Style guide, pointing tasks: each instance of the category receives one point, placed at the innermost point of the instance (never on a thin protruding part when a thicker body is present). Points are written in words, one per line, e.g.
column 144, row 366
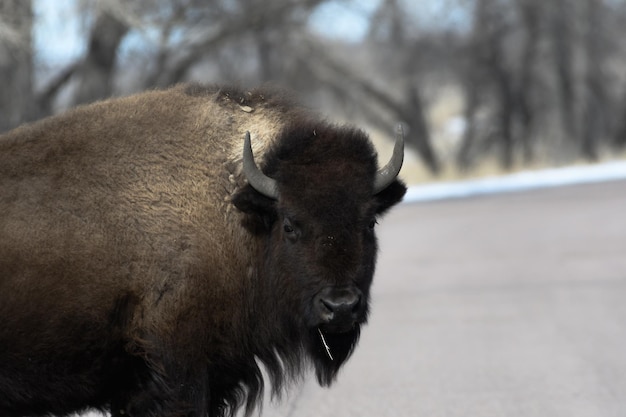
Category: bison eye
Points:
column 289, row 230
column 373, row 223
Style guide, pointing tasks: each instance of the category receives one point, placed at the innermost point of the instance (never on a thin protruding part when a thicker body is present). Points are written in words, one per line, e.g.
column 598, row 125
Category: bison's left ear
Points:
column 260, row 210
column 389, row 196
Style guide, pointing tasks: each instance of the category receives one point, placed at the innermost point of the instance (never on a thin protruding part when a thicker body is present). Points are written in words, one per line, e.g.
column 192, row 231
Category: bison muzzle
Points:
column 158, row 250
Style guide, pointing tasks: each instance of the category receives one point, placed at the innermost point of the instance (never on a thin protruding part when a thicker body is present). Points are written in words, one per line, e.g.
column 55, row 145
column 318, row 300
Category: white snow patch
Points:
column 527, row 180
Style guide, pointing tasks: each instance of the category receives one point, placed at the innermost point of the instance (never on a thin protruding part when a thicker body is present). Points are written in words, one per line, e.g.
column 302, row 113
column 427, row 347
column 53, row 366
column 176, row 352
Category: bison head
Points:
column 314, row 206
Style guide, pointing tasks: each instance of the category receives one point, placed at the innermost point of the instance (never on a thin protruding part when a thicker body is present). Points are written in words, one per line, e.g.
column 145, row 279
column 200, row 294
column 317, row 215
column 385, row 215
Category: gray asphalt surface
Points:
column 506, row 305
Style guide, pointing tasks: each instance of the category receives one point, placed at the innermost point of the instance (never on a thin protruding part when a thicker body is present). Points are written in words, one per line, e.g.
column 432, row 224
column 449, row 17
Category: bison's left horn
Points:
column 387, row 174
column 257, row 179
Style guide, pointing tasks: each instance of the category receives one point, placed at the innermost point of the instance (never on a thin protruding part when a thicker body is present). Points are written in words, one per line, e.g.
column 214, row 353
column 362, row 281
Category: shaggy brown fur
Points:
column 140, row 274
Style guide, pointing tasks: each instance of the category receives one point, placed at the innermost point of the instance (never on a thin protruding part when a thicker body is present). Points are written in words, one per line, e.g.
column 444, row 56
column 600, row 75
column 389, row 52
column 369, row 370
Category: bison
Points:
column 157, row 251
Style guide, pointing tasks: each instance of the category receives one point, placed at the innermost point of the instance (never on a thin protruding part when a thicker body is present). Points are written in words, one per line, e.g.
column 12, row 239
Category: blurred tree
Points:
column 530, row 12
column 499, row 80
column 95, row 73
column 562, row 35
column 538, row 70
column 394, row 90
column 537, row 78
column 597, row 107
column 16, row 63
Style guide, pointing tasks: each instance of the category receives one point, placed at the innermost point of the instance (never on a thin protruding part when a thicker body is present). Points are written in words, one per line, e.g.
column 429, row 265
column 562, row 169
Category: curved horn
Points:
column 387, row 174
column 257, row 179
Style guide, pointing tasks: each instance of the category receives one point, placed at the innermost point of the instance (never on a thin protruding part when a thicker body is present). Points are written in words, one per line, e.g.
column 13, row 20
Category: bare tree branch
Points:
column 409, row 112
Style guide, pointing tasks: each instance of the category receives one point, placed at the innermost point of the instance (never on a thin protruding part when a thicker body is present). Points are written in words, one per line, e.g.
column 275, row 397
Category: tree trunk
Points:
column 562, row 46
column 96, row 71
column 531, row 13
column 16, row 64
column 502, row 78
column 596, row 109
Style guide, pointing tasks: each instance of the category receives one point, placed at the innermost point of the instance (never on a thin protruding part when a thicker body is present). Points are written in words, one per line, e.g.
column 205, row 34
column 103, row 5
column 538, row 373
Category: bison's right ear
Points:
column 260, row 210
column 390, row 196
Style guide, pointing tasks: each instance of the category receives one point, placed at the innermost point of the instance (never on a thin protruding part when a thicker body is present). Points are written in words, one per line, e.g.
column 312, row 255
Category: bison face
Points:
column 315, row 212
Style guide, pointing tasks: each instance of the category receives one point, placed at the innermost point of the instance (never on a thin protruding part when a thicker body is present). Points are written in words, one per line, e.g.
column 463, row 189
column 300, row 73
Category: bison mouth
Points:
column 330, row 349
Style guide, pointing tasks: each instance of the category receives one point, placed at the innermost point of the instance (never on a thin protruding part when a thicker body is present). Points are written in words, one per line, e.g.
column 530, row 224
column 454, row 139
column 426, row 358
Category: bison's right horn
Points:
column 387, row 174
column 257, row 179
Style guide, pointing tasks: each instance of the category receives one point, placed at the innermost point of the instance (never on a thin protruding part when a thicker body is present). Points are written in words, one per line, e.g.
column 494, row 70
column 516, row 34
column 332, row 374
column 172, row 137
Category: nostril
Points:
column 338, row 306
column 357, row 305
column 348, row 303
column 329, row 305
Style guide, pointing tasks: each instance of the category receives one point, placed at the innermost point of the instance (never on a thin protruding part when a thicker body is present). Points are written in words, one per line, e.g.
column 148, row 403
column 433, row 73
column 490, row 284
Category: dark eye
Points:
column 289, row 230
column 373, row 224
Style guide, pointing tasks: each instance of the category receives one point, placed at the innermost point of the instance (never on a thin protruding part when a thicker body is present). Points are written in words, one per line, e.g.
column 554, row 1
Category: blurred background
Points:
column 481, row 86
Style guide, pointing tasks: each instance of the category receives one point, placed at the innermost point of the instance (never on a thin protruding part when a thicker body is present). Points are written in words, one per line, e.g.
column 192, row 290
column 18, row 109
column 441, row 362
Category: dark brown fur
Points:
column 140, row 274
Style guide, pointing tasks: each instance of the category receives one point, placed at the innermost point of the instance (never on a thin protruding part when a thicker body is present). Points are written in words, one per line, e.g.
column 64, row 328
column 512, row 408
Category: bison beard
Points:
column 330, row 351
column 149, row 267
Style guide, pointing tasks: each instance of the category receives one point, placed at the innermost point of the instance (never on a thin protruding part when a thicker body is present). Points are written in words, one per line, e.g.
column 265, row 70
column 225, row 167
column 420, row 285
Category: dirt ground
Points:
column 506, row 305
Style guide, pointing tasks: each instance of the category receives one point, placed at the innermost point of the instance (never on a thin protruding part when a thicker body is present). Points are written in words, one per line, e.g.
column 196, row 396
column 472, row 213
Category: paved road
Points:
column 508, row 305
